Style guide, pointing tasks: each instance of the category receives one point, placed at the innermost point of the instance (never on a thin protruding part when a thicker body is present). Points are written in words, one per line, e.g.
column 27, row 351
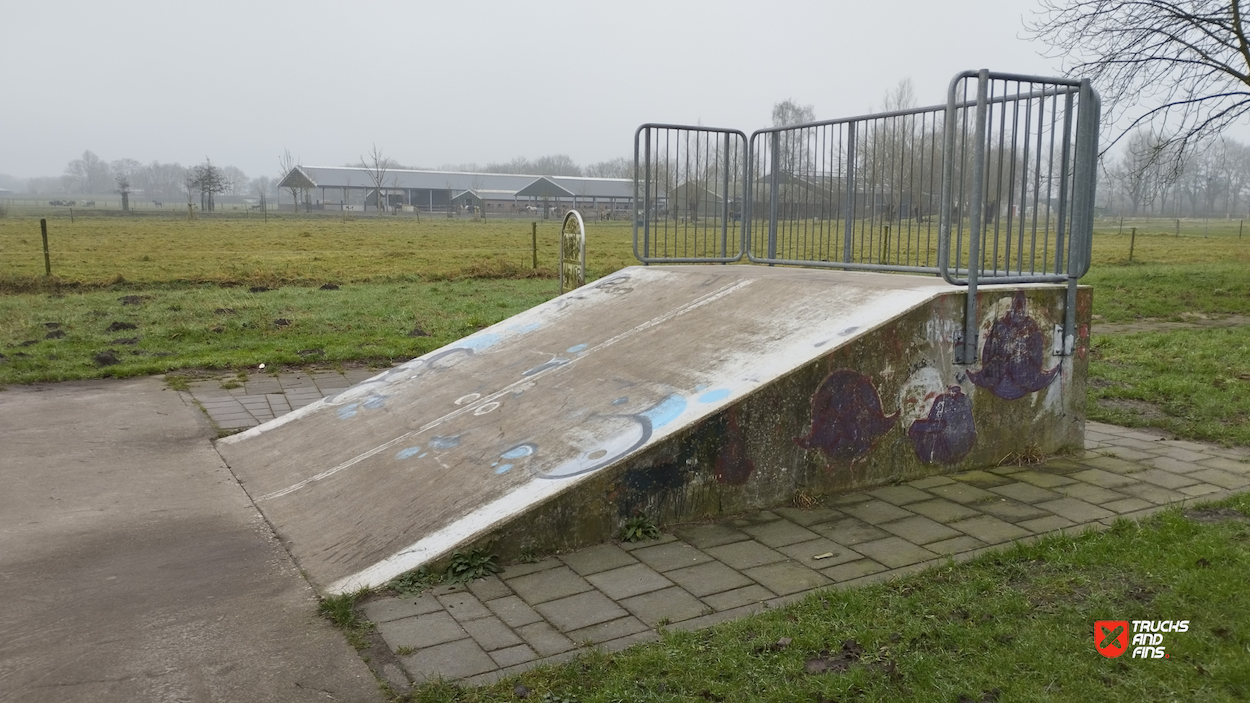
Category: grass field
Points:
column 189, row 283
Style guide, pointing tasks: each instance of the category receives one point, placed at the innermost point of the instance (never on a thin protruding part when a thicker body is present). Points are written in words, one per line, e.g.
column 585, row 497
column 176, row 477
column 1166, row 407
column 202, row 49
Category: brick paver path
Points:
column 613, row 595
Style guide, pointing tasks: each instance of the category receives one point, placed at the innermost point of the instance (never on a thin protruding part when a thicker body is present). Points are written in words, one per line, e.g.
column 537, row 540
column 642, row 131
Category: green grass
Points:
column 1194, row 383
column 208, row 326
column 1014, row 625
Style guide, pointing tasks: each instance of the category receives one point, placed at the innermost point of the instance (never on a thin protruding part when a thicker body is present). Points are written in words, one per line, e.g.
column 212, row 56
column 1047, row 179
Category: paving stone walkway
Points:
column 237, row 404
column 612, row 596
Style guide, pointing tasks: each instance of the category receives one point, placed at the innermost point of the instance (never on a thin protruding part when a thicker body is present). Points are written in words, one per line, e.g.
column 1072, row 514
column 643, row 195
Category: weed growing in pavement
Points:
column 471, row 565
column 639, row 528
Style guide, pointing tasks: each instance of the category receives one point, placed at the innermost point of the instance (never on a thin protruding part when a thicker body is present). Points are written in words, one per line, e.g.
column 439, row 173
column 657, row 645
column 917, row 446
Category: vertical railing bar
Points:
column 772, row 195
column 724, row 219
column 848, row 231
column 974, row 227
column 1037, row 185
column 1060, row 227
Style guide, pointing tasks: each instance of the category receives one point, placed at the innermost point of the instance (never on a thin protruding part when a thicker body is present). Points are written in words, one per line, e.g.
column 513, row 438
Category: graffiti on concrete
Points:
column 732, row 465
column 948, row 433
column 1014, row 356
column 847, row 416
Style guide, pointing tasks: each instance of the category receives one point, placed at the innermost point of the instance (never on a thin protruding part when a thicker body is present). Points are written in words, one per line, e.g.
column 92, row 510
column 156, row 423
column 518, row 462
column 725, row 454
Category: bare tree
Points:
column 124, row 171
column 287, row 164
column 1181, row 67
column 209, row 181
column 614, row 168
column 89, row 174
column 375, row 165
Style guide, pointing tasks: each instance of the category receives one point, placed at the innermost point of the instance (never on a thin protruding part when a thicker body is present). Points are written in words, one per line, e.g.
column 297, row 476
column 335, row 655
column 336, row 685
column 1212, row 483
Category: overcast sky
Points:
column 451, row 82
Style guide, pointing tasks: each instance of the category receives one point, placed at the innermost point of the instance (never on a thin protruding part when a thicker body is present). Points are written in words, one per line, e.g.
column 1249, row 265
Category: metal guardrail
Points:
column 688, row 194
column 996, row 186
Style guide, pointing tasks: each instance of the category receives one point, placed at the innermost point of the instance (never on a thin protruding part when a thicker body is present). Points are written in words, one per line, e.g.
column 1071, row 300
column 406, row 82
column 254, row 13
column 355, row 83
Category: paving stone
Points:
column 1010, row 510
column 981, row 479
column 513, row 655
column 1089, row 493
column 1102, row 479
column 513, row 611
column 1134, row 443
column 1176, row 466
column 875, row 512
column 849, row 498
column 815, row 516
column 779, row 533
column 489, row 588
column 784, row 578
column 236, row 424
column 738, row 597
column 758, row 517
column 491, row 634
column 628, row 581
column 675, row 555
column 1042, row 479
column 990, row 529
column 1005, row 470
column 918, row 529
column 464, row 606
column 1025, row 492
column 422, row 631
column 1075, row 510
column 942, row 510
column 1069, row 464
column 546, row 585
column 628, row 641
column 1128, row 505
column 894, row 552
column 607, row 631
column 453, row 660
column 1227, row 464
column 601, row 557
column 706, row 579
column 1165, row 479
column 1183, row 454
column 955, row 545
column 850, row 531
column 513, row 570
column 1199, row 489
column 713, row 535
column 544, row 638
column 961, row 493
column 670, row 605
column 388, row 609
column 803, row 553
column 1154, row 494
column 1185, row 444
column 1113, row 464
column 899, row 495
column 1223, row 479
column 852, row 570
column 744, row 555
column 662, row 539
column 581, row 610
column 1131, row 455
column 448, row 588
column 1050, row 523
column 930, row 482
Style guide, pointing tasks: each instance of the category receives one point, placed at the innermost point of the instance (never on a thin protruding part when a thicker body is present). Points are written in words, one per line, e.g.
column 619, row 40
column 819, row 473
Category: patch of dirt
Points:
column 329, row 286
column 418, row 332
column 52, row 325
column 838, row 663
column 1142, row 409
column 119, row 326
column 28, row 343
column 55, row 334
column 125, row 340
column 281, row 322
column 134, row 299
column 1212, row 515
column 258, row 289
column 106, row 358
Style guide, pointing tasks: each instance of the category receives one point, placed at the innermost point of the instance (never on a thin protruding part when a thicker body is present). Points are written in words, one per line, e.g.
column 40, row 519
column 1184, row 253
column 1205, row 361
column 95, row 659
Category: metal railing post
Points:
column 775, row 159
column 848, row 228
column 968, row 350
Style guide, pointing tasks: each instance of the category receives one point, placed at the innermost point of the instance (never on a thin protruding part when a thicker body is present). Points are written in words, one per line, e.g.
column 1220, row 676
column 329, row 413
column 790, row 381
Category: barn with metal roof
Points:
column 354, row 188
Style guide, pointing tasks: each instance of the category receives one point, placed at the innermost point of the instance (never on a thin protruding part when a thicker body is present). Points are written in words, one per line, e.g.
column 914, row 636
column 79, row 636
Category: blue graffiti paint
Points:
column 665, row 411
column 847, row 331
column 348, row 411
column 621, row 401
column 424, row 455
column 480, row 341
column 374, row 402
column 520, row 450
column 441, row 443
column 700, row 387
column 543, row 367
column 577, row 348
column 503, row 469
column 410, row 451
column 527, row 327
column 714, row 396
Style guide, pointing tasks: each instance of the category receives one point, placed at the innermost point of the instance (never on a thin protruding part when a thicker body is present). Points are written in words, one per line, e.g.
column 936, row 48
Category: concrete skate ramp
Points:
column 679, row 391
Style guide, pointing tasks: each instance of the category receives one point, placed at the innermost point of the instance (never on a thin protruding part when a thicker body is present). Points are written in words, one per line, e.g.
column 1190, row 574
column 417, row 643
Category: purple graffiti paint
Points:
column 1014, row 355
column 948, row 433
column 847, row 417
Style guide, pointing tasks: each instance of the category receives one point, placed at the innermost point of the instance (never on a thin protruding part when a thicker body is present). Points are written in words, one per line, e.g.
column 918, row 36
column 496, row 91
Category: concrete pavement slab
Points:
column 135, row 568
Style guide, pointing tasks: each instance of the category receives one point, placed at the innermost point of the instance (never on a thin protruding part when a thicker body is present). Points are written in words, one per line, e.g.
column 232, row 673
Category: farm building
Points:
column 354, row 188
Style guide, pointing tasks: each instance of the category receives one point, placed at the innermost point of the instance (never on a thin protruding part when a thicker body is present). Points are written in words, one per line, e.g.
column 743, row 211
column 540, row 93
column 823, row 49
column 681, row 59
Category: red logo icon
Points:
column 1111, row 637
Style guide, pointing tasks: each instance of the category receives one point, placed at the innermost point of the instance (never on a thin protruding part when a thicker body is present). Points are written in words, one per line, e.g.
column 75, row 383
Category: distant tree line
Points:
column 1155, row 175
column 552, row 165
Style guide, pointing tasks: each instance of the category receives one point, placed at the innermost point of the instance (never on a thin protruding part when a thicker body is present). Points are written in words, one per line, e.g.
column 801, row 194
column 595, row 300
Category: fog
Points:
column 433, row 84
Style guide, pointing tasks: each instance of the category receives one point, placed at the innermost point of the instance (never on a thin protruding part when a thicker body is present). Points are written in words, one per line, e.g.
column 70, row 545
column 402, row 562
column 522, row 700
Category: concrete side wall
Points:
column 889, row 406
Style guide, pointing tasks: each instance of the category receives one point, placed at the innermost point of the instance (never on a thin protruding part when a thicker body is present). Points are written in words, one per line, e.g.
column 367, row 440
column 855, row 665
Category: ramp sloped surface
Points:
column 403, row 468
